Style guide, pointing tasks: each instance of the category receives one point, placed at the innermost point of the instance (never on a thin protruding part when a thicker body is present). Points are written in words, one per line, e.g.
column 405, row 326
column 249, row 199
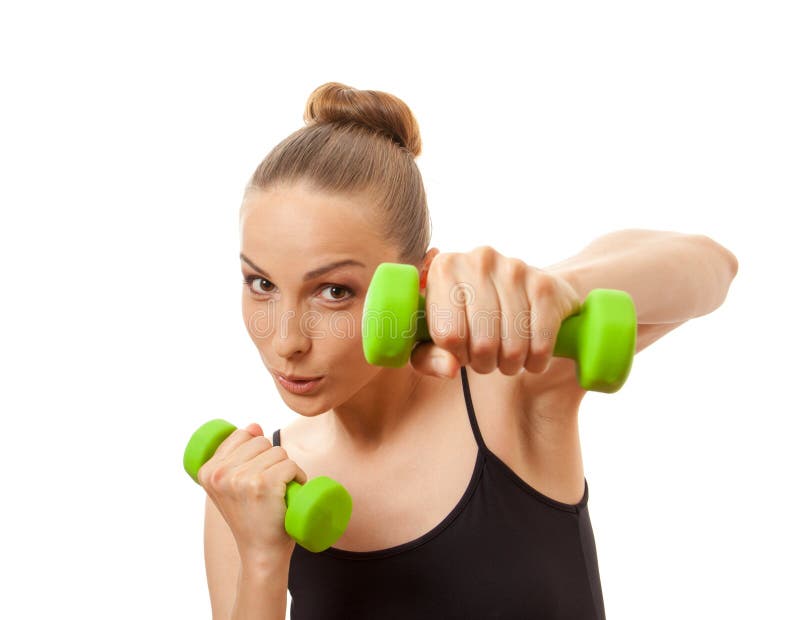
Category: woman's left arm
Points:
column 671, row 276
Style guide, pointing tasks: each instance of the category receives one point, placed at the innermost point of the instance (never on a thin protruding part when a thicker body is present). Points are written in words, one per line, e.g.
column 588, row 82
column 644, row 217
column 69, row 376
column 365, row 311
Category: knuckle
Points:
column 280, row 452
column 516, row 270
column 510, row 363
column 449, row 341
column 483, row 347
column 515, row 353
column 484, row 256
column 237, row 480
column 295, row 469
column 509, row 367
column 217, row 476
column 544, row 284
column 256, row 486
column 509, row 370
column 442, row 262
column 541, row 357
column 262, row 441
column 276, row 471
column 539, row 347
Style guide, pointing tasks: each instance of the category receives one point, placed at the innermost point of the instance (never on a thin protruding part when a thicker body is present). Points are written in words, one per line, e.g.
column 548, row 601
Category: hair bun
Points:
column 382, row 112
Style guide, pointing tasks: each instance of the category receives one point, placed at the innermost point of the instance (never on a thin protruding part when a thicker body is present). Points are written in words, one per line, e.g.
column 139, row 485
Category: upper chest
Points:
column 415, row 485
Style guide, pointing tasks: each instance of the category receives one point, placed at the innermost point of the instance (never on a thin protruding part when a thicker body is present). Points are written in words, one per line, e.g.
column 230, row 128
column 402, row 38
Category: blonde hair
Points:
column 358, row 142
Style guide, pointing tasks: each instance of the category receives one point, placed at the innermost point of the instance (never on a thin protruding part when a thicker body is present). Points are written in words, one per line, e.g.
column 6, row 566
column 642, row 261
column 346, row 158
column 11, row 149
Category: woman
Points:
column 469, row 497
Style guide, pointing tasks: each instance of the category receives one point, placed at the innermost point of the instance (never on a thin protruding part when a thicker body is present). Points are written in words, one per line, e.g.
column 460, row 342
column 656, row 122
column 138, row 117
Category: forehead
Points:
column 302, row 221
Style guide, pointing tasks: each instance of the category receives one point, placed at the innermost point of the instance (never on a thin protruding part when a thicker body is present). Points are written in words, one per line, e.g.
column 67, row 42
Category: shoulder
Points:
column 530, row 420
column 295, row 436
column 534, row 433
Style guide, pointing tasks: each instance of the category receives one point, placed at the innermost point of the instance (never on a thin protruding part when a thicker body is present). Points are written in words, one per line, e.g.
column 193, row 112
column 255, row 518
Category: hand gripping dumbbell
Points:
column 317, row 512
column 600, row 337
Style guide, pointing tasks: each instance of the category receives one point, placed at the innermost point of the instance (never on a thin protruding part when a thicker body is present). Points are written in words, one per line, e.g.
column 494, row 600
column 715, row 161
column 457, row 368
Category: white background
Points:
column 127, row 132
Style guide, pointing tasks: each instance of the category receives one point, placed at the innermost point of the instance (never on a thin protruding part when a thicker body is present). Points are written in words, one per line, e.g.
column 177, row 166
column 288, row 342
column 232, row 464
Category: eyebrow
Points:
column 314, row 273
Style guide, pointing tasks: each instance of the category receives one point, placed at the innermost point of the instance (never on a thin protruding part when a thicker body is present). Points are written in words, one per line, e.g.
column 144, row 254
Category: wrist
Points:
column 264, row 564
column 571, row 274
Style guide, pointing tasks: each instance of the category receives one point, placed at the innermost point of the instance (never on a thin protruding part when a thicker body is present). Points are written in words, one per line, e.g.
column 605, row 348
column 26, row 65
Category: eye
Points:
column 342, row 293
column 248, row 281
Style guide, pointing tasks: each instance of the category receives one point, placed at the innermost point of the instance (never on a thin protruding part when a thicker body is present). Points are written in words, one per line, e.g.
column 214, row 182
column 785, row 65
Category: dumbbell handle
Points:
column 617, row 333
column 566, row 340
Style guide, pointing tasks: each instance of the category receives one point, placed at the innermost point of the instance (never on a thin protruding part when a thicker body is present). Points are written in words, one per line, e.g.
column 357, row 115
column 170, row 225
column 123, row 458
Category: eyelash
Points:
column 248, row 280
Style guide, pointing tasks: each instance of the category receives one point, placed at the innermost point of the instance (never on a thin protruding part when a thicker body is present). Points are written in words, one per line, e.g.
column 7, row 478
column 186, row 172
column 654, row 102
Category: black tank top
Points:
column 504, row 551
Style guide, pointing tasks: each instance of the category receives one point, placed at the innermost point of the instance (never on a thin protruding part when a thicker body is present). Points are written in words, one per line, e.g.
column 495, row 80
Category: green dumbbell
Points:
column 317, row 512
column 600, row 337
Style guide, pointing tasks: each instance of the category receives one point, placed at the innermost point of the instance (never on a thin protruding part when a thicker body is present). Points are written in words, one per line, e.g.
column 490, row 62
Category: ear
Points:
column 426, row 264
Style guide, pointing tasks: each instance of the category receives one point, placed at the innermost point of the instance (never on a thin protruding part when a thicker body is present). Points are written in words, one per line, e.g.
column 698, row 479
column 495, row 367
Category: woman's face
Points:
column 304, row 318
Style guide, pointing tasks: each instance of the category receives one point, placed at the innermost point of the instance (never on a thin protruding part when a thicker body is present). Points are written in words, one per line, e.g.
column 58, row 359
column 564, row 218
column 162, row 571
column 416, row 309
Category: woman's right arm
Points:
column 248, row 551
column 253, row 588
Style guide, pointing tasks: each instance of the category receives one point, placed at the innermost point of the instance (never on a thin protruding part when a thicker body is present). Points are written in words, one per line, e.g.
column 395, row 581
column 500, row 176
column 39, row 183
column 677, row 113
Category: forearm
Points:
column 671, row 276
column 261, row 592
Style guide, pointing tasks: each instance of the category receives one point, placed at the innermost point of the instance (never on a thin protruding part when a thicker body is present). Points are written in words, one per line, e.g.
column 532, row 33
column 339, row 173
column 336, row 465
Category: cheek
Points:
column 245, row 314
column 335, row 340
column 343, row 329
column 256, row 320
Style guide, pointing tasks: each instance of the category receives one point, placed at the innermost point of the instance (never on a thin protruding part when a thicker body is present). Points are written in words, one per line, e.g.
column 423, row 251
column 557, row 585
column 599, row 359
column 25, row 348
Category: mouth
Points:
column 297, row 384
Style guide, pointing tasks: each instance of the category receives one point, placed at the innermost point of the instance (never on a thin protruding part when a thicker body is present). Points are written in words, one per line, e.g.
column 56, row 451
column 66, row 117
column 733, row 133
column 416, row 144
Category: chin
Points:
column 307, row 412
column 306, row 406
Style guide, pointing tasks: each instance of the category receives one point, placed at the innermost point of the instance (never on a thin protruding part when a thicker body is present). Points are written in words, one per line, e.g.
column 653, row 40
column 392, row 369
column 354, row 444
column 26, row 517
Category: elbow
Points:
column 727, row 269
column 728, row 257
column 734, row 263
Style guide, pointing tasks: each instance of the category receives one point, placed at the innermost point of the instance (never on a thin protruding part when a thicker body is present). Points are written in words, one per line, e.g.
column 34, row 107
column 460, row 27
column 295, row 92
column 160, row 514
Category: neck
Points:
column 381, row 411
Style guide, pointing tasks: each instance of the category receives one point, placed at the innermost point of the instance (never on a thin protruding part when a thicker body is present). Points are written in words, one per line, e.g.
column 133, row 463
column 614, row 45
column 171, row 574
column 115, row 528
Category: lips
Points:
column 299, row 386
column 297, row 377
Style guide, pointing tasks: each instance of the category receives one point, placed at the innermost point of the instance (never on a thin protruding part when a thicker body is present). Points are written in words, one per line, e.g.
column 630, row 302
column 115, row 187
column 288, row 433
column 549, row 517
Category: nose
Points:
column 290, row 338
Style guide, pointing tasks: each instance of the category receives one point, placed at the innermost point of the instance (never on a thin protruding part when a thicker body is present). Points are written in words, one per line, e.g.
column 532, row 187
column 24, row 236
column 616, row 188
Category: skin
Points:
column 287, row 231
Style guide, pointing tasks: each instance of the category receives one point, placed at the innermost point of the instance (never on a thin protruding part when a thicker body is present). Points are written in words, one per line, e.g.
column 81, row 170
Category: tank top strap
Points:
column 276, row 438
column 476, row 431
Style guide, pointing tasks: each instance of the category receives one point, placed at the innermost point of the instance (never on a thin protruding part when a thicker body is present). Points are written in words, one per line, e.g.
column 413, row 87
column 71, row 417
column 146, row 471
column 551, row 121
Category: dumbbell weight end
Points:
column 601, row 338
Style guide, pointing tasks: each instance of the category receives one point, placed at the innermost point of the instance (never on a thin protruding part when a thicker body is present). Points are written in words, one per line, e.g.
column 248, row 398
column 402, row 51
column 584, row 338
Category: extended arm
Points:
column 671, row 276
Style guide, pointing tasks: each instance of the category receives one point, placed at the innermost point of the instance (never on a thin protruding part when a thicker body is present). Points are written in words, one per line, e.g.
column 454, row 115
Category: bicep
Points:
column 222, row 562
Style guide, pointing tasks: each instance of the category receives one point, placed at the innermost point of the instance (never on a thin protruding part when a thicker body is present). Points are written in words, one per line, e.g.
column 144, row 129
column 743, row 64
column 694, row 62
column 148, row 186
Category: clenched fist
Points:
column 489, row 311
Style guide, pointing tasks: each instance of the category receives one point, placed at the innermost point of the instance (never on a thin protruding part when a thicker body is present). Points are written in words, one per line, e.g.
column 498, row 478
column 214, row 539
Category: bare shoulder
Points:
column 295, row 436
column 540, row 435
column 535, row 433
